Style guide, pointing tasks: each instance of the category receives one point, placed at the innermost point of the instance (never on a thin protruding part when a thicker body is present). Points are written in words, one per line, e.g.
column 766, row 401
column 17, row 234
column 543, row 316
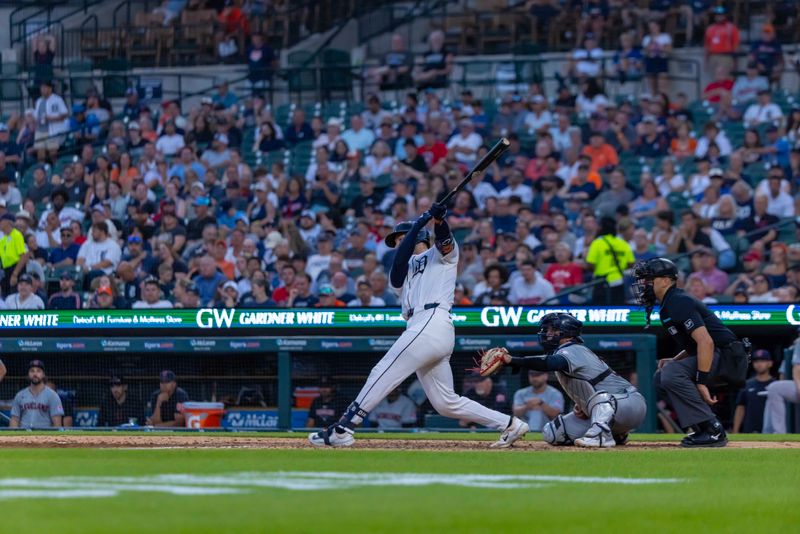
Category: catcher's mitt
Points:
column 490, row 361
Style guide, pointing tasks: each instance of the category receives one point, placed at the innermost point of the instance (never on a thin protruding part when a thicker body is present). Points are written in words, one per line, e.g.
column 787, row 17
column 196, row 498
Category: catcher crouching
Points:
column 607, row 406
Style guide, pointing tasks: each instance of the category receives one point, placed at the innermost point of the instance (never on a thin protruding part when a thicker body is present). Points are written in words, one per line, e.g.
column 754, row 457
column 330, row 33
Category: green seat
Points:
column 677, row 202
column 11, row 91
column 79, row 85
column 10, row 69
column 115, row 77
column 299, row 58
column 79, row 65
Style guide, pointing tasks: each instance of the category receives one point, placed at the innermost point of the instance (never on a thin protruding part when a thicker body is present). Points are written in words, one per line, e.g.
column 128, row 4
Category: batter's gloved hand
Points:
column 438, row 211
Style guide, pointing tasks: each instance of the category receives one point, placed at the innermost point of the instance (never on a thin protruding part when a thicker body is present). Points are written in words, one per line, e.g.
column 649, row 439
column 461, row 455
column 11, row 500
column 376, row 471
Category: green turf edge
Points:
column 421, row 435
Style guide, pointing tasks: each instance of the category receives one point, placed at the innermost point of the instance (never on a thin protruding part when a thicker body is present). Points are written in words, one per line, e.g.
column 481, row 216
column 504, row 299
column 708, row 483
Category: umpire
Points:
column 711, row 355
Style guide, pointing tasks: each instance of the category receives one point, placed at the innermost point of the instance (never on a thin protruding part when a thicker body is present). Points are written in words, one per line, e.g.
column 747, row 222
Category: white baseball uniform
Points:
column 426, row 345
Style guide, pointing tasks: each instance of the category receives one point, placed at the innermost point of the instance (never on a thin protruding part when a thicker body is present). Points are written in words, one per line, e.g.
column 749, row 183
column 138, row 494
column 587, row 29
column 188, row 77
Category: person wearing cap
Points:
column 36, row 406
column 67, row 298
column 25, row 298
column 165, row 408
column 721, row 41
column 752, row 398
column 704, row 265
column 327, row 406
column 13, row 253
column 219, row 155
column 228, row 295
column 327, row 298
column 202, row 219
column 465, row 143
column 151, row 296
column 66, row 254
column 51, row 124
column 119, row 406
column 747, row 86
column 82, row 127
column 779, row 202
column 762, row 111
column 539, row 402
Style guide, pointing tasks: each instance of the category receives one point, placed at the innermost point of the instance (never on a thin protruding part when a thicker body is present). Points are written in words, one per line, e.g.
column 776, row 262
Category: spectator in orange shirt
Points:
column 327, row 298
column 601, row 153
column 721, row 41
column 460, row 296
column 219, row 253
column 684, row 145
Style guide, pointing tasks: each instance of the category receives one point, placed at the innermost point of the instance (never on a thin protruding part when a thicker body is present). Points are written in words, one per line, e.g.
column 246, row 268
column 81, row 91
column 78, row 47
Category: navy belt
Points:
column 428, row 306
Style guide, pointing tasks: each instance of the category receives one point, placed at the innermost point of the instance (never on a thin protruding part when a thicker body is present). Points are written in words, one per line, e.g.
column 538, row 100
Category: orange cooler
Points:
column 203, row 414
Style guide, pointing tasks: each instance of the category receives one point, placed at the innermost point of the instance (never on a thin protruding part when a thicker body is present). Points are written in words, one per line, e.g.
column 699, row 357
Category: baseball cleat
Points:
column 705, row 439
column 333, row 436
column 599, row 436
column 516, row 430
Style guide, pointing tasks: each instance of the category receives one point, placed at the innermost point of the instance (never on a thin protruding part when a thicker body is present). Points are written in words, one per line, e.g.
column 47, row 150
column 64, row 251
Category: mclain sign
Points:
column 373, row 318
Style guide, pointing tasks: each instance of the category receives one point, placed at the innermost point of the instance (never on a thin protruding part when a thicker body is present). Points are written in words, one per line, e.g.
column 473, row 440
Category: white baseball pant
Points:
column 425, row 348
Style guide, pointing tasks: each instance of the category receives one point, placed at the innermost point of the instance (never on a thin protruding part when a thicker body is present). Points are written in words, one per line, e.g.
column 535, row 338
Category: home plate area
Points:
column 251, row 482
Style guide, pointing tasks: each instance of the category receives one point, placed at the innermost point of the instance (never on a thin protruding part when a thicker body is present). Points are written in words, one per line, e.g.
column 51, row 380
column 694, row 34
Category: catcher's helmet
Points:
column 643, row 274
column 424, row 236
column 556, row 326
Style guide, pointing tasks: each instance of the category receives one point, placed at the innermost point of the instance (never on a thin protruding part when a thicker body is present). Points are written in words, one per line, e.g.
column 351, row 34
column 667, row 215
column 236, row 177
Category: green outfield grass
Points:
column 719, row 490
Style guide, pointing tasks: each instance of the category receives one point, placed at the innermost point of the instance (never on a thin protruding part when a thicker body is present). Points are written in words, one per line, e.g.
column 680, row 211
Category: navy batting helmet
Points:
column 400, row 229
column 556, row 326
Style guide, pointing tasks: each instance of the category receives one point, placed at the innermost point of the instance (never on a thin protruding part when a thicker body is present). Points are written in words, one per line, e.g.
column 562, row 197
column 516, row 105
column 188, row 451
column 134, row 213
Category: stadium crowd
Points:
column 163, row 204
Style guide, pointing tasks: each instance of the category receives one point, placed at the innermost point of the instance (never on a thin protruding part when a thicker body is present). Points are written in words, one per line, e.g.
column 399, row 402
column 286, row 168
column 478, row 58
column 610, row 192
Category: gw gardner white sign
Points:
column 493, row 316
column 215, row 318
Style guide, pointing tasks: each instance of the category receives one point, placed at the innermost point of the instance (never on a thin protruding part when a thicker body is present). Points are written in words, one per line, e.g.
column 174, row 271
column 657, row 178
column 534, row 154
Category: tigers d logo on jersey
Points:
column 418, row 266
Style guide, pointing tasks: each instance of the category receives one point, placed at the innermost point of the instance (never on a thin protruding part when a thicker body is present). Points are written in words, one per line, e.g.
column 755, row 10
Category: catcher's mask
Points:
column 555, row 327
column 401, row 229
column 644, row 273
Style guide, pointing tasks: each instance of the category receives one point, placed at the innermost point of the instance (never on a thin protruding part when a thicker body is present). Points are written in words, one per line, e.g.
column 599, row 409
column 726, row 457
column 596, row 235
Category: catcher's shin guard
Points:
column 555, row 433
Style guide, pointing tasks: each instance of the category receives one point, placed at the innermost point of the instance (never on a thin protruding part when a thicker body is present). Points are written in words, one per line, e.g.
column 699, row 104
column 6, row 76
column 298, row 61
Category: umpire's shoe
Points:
column 333, row 436
column 711, row 434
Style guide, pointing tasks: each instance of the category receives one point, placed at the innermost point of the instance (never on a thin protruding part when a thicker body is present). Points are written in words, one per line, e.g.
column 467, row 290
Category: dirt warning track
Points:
column 160, row 441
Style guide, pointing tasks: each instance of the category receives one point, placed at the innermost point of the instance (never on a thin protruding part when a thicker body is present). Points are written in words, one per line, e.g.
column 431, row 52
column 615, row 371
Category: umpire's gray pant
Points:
column 778, row 393
column 676, row 381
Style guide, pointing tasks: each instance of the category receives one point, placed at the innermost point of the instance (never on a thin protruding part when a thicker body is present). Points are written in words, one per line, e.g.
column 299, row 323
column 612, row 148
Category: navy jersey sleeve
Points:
column 685, row 313
column 741, row 397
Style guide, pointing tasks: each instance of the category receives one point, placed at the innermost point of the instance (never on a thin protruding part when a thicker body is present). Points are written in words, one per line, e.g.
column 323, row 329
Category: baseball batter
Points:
column 424, row 277
column 607, row 406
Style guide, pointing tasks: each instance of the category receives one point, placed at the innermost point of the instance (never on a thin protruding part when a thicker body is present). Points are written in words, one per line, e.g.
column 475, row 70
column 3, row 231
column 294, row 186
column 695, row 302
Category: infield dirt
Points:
column 233, row 442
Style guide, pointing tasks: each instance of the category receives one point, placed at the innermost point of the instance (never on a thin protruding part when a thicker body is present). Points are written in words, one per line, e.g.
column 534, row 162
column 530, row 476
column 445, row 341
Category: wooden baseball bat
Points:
column 495, row 152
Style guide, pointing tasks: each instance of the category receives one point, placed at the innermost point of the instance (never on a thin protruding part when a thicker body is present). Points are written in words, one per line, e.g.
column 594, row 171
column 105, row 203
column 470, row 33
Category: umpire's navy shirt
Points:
column 682, row 314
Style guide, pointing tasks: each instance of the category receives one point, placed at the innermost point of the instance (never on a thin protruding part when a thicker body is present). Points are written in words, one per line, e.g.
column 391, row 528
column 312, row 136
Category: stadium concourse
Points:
column 116, row 201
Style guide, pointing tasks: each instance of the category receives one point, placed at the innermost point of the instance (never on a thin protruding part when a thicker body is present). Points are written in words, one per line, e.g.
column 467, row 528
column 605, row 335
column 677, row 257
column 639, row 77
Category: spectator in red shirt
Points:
column 564, row 272
column 288, row 274
column 433, row 149
column 721, row 86
column 721, row 41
